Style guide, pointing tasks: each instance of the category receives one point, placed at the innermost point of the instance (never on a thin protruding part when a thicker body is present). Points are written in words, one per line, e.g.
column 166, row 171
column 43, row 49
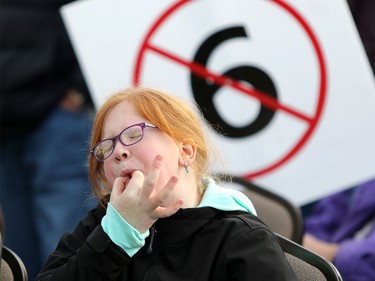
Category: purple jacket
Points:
column 337, row 219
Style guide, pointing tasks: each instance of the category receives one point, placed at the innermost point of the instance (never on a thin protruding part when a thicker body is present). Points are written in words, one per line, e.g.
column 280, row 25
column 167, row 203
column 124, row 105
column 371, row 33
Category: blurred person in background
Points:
column 341, row 228
column 363, row 12
column 45, row 126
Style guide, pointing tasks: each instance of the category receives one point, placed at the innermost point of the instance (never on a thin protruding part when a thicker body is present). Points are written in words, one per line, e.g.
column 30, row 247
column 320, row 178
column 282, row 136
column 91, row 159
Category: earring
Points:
column 186, row 167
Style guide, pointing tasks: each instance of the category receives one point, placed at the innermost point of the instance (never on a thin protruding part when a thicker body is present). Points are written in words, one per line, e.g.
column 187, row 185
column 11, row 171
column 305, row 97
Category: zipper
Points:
column 153, row 233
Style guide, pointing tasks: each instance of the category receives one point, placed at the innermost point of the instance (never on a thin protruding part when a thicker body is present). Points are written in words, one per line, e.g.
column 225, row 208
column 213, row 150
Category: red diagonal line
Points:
column 223, row 80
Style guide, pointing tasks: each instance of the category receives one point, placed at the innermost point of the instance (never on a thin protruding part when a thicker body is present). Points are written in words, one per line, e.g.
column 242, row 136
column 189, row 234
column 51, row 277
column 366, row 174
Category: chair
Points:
column 12, row 267
column 279, row 214
column 2, row 223
column 307, row 265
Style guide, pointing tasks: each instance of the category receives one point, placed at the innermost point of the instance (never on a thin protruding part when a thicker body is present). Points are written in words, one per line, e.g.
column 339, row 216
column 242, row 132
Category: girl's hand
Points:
column 139, row 204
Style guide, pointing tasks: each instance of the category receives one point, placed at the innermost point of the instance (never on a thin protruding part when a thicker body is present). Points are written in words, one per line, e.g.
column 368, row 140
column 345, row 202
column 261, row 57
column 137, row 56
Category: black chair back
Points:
column 307, row 265
column 278, row 213
column 12, row 268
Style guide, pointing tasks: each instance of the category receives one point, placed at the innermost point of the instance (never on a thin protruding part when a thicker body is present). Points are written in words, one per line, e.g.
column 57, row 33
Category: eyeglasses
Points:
column 129, row 136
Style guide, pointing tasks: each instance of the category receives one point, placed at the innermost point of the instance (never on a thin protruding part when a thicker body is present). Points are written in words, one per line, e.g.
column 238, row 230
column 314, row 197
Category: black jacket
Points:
column 194, row 244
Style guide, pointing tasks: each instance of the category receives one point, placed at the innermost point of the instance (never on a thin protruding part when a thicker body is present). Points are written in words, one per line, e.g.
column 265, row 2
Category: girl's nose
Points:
column 121, row 151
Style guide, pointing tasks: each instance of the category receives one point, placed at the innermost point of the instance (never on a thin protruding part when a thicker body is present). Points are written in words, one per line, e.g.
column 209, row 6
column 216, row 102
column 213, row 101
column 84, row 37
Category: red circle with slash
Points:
column 201, row 71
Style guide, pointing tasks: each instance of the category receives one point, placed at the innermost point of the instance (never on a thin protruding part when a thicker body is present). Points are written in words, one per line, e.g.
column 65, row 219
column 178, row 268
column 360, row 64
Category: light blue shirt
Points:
column 225, row 199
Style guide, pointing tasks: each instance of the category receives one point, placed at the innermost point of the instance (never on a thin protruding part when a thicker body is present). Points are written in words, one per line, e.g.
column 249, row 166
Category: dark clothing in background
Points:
column 38, row 64
column 45, row 121
column 363, row 12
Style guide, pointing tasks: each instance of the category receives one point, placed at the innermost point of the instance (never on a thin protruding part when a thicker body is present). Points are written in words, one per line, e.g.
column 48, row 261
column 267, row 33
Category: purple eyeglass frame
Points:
column 114, row 140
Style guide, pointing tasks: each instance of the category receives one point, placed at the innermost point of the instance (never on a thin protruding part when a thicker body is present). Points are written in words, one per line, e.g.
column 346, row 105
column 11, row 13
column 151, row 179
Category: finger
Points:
column 117, row 192
column 164, row 194
column 163, row 212
column 135, row 183
column 118, row 186
column 152, row 178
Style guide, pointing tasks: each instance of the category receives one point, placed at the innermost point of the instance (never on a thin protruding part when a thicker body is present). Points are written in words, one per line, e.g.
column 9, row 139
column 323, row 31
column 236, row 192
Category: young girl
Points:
column 161, row 217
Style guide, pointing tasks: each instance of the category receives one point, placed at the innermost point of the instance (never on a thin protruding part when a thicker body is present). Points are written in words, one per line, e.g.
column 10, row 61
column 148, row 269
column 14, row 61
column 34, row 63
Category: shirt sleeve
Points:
column 355, row 259
column 122, row 233
column 85, row 254
column 327, row 216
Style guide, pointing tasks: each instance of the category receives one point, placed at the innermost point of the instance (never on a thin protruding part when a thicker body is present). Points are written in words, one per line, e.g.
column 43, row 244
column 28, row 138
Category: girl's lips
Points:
column 127, row 173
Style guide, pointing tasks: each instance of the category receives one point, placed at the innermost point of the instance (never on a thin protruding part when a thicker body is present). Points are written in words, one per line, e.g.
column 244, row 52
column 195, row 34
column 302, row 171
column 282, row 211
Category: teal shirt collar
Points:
column 225, row 199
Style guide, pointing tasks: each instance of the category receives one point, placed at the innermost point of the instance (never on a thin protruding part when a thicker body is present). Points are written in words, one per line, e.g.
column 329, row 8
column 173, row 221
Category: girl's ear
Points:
column 188, row 154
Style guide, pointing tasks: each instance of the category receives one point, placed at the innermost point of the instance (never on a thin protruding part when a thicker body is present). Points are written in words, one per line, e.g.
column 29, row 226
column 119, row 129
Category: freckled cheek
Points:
column 166, row 172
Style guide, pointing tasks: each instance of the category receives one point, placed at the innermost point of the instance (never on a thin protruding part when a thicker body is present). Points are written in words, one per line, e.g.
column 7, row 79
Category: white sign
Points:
column 287, row 81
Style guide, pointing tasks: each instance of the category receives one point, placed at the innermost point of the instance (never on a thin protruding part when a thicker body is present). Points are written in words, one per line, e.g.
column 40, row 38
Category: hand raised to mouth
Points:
column 138, row 202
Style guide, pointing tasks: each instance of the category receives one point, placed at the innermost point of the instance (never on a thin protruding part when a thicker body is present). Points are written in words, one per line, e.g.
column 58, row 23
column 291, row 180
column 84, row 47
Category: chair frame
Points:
column 329, row 271
column 15, row 263
column 294, row 212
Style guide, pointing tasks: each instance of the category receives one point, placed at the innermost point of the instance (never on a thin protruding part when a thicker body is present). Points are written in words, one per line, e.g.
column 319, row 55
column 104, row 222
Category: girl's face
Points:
column 140, row 156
